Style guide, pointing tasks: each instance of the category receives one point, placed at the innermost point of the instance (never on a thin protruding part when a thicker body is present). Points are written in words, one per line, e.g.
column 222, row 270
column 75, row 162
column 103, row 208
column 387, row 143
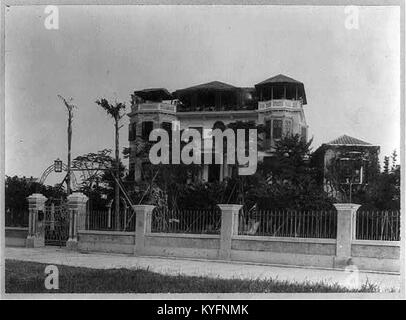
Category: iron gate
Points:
column 56, row 224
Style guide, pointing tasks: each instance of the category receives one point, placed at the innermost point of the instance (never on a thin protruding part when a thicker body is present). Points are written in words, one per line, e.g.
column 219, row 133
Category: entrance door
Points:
column 56, row 224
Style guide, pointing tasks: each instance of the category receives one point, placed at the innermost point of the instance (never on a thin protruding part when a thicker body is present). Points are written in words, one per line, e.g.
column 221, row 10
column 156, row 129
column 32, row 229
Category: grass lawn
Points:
column 28, row 277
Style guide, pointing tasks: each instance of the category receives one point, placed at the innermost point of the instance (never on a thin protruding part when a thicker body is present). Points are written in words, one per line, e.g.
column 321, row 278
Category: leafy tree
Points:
column 284, row 181
column 386, row 165
column 394, row 160
column 115, row 111
column 290, row 161
column 293, row 183
column 97, row 179
column 17, row 189
column 383, row 192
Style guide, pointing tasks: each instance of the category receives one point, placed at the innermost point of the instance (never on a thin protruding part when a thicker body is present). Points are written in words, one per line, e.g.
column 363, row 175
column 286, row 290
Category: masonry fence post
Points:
column 36, row 221
column 346, row 226
column 77, row 211
column 143, row 215
column 229, row 227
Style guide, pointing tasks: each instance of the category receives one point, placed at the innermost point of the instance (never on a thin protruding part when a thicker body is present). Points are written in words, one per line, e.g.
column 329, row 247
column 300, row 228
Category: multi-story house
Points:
column 277, row 103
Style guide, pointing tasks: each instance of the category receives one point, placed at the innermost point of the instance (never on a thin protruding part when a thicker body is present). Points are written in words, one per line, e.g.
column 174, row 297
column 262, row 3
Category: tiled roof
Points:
column 347, row 140
column 154, row 94
column 280, row 78
column 214, row 85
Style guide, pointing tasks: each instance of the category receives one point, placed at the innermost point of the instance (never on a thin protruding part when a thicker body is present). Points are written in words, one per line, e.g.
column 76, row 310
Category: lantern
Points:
column 58, row 165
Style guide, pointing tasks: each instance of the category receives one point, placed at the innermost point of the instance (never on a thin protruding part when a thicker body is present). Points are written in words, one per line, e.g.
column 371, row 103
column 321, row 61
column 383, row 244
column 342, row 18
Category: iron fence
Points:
column 378, row 225
column 305, row 224
column 16, row 218
column 106, row 221
column 197, row 221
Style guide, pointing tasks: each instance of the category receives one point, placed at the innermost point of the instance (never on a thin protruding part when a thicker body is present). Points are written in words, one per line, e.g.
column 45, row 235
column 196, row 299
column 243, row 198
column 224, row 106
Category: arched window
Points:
column 219, row 125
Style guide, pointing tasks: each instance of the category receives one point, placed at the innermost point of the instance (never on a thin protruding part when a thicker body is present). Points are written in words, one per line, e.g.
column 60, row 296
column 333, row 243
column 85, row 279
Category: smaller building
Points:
column 347, row 164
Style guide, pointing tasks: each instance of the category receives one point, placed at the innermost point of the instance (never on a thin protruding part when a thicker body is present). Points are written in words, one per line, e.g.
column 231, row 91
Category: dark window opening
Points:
column 147, row 127
column 277, row 129
column 304, row 133
column 288, row 127
column 167, row 126
column 132, row 131
column 214, row 172
column 278, row 92
column 268, row 129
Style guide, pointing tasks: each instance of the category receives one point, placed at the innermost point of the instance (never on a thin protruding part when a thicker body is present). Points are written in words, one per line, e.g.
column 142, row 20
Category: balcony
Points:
column 154, row 106
column 283, row 103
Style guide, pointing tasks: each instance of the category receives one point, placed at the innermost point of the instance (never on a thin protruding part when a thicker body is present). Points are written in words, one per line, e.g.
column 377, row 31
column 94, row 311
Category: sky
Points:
column 351, row 76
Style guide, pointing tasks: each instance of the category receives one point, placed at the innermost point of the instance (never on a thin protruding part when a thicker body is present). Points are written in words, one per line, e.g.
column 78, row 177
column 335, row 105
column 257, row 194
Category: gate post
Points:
column 36, row 219
column 77, row 211
column 346, row 223
column 229, row 228
column 142, row 226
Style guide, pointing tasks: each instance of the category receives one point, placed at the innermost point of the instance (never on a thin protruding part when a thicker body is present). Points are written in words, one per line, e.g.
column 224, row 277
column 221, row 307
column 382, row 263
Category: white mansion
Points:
column 276, row 102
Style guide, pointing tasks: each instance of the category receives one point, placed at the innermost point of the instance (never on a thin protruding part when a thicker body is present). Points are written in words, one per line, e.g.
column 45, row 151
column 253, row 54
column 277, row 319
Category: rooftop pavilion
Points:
column 277, row 92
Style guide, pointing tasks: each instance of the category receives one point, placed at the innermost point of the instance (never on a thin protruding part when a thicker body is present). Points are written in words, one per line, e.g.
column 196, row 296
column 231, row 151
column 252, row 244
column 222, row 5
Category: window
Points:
column 198, row 143
column 304, row 133
column 167, row 126
column 350, row 171
column 277, row 129
column 132, row 133
column 147, row 127
column 288, row 127
column 200, row 129
column 268, row 129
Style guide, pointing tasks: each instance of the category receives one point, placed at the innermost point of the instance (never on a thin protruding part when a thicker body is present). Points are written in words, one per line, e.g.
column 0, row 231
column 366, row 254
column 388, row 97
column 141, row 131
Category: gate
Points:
column 56, row 224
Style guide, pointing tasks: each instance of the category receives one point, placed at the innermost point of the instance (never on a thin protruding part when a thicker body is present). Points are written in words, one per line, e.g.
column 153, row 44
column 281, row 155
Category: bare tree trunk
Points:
column 117, row 188
column 68, row 190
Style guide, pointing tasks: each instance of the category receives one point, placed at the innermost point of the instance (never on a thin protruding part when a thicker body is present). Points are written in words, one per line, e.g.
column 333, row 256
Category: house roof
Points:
column 154, row 94
column 213, row 85
column 280, row 78
column 347, row 140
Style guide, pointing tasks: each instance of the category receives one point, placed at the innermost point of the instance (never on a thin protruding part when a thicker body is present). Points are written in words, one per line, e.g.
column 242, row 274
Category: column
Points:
column 36, row 221
column 77, row 214
column 143, row 214
column 229, row 228
column 346, row 220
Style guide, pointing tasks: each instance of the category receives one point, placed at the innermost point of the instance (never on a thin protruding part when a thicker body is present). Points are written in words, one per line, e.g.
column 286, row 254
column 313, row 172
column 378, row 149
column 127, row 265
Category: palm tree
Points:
column 115, row 112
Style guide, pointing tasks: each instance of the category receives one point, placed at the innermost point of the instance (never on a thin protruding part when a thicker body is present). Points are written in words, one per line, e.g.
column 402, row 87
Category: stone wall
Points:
column 16, row 237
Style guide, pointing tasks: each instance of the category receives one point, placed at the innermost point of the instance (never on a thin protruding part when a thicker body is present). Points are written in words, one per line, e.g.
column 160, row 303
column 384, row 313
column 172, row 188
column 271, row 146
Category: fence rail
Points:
column 16, row 218
column 378, row 225
column 197, row 221
column 105, row 221
column 308, row 224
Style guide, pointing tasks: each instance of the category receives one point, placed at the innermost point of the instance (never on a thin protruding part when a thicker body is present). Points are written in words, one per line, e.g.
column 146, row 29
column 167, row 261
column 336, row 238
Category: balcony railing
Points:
column 155, row 106
column 263, row 105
